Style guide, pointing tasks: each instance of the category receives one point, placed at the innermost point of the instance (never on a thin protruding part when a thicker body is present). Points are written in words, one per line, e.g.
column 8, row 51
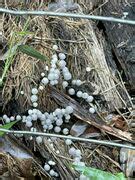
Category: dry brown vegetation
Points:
column 85, row 45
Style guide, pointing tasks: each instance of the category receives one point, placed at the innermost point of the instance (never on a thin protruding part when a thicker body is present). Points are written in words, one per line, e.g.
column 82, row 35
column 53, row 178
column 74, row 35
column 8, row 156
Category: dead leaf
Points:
column 78, row 128
column 119, row 122
column 91, row 132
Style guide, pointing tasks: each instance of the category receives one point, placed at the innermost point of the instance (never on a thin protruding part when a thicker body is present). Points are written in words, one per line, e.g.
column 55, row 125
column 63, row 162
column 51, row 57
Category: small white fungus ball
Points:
column 90, row 99
column 53, row 65
column 45, row 81
column 81, row 163
column 57, row 129
column 43, row 117
column 66, row 120
column 39, row 139
column 59, row 122
column 34, row 91
column 34, row 98
column 72, row 151
column 79, row 94
column 33, row 129
column 7, row 120
column 54, row 56
column 22, row 92
column 52, row 70
column 51, row 146
column 65, row 70
column 18, row 118
column 58, row 111
column 56, row 174
column 39, row 114
column 46, row 68
column 64, row 84
column 56, row 76
column 78, row 152
column 52, row 83
column 41, row 87
column 47, row 167
column 30, row 111
column 50, row 127
column 67, row 117
column 63, row 111
column 68, row 141
column 51, row 76
column 42, row 74
column 69, row 110
column 56, row 82
column 52, row 172
column 54, row 139
column 45, row 127
column 52, row 163
column 43, row 123
column 55, row 47
column 24, row 119
column 85, row 95
column 67, row 76
column 83, row 177
column 78, row 82
column 29, row 118
column 35, row 104
column 5, row 116
column 51, row 117
column 34, row 117
column 28, row 123
column 74, row 82
column 46, row 114
column 12, row 118
column 57, row 71
column 54, row 61
column 48, row 122
column 77, row 159
column 62, row 64
column 35, row 111
column 62, row 56
column 57, row 151
column 88, row 69
column 65, row 131
column 71, row 91
column 92, row 110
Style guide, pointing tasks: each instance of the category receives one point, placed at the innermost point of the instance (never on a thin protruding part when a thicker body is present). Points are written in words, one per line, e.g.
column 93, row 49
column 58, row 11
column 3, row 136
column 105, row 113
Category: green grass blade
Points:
column 96, row 174
column 30, row 51
column 6, row 126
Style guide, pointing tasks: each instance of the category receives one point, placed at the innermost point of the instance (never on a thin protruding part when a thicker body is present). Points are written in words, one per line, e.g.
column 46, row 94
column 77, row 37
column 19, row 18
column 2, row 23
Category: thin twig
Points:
column 62, row 40
column 68, row 137
column 71, row 15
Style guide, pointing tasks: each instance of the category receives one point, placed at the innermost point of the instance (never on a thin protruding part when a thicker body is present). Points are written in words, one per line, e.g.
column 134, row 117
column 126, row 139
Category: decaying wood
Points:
column 84, row 115
column 122, row 37
column 16, row 161
column 127, row 160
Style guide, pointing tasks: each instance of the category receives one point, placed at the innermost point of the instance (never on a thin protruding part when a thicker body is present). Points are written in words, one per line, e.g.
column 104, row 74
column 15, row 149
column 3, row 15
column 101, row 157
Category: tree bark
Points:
column 122, row 37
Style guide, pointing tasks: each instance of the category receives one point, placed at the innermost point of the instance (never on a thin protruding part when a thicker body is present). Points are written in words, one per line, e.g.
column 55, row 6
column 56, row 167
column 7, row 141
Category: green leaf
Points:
column 96, row 174
column 6, row 126
column 30, row 51
column 120, row 176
